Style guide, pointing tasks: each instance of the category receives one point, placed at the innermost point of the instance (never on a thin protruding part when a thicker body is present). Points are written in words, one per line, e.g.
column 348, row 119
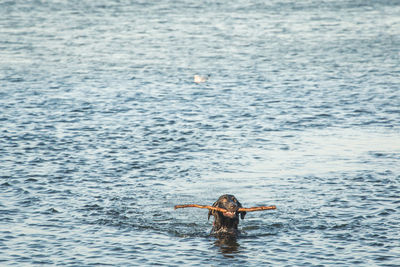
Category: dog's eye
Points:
column 234, row 200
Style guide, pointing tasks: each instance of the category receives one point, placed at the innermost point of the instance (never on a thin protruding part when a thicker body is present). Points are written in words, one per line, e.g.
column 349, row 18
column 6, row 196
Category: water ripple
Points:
column 103, row 131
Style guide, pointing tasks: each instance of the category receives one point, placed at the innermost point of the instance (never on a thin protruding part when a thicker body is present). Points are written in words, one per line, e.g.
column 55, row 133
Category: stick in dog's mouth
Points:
column 224, row 210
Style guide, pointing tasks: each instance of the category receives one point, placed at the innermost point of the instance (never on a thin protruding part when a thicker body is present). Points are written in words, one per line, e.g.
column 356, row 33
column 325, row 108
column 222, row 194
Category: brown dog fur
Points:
column 227, row 222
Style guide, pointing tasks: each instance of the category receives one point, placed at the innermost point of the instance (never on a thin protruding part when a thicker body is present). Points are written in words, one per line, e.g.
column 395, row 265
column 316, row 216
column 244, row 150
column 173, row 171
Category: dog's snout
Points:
column 232, row 205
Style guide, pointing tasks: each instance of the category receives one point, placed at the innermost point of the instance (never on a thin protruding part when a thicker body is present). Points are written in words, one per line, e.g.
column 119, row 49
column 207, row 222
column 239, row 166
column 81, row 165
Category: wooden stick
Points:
column 224, row 210
column 200, row 206
column 258, row 208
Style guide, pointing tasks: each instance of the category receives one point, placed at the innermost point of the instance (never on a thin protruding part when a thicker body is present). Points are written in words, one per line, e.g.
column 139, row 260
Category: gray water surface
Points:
column 103, row 131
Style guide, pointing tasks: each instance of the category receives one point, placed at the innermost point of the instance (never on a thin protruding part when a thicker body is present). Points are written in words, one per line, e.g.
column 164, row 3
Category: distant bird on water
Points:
column 200, row 78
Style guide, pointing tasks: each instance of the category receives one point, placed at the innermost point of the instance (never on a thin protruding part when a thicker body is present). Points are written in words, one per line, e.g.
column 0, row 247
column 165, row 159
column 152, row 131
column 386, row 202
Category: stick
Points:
column 200, row 206
column 224, row 210
column 258, row 208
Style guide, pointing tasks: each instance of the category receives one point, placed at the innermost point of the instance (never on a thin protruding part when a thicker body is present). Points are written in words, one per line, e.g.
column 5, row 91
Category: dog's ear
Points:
column 212, row 212
column 209, row 214
column 243, row 213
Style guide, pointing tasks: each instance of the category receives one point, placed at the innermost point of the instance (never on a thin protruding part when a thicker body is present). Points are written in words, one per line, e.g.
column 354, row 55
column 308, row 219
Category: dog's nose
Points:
column 232, row 205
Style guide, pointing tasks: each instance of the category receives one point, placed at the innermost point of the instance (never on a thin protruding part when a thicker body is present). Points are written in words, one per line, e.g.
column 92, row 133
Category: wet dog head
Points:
column 226, row 221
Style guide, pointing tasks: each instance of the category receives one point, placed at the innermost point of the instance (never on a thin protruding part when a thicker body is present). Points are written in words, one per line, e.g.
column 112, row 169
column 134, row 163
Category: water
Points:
column 103, row 131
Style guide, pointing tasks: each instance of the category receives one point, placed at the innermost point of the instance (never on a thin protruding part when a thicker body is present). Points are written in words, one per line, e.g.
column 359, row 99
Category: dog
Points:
column 226, row 222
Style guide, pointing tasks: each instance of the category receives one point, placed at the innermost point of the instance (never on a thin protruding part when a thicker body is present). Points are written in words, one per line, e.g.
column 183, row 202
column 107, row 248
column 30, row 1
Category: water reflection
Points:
column 227, row 245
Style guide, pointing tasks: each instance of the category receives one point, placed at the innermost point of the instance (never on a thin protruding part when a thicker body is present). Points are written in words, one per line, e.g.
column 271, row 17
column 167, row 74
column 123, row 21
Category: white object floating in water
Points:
column 200, row 79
